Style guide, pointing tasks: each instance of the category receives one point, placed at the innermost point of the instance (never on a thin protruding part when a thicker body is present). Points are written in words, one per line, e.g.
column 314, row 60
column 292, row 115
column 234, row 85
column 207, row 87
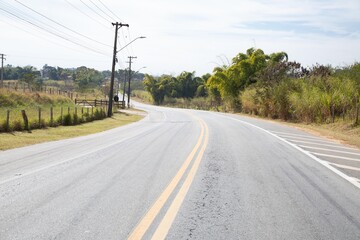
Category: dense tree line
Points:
column 186, row 85
column 82, row 78
column 268, row 85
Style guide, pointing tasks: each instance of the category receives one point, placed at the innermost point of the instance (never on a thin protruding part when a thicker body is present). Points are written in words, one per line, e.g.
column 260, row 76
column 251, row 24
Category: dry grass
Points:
column 20, row 139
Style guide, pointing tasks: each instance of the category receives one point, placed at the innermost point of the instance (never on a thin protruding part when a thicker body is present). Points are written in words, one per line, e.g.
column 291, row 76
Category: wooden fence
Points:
column 98, row 103
column 35, row 118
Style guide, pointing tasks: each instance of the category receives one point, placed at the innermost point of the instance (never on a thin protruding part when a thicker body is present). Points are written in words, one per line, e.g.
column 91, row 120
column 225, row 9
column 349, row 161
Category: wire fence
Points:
column 24, row 87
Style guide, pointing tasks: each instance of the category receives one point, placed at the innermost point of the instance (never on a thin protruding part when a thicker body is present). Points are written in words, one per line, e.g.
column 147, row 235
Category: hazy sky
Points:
column 181, row 35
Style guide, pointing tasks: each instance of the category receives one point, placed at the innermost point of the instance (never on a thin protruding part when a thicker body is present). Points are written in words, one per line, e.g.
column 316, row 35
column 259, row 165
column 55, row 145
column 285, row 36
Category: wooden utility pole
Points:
column 123, row 99
column 130, row 61
column 111, row 93
column 2, row 70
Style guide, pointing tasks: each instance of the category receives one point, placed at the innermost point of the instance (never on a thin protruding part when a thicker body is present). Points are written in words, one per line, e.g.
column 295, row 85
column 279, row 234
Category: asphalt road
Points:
column 183, row 174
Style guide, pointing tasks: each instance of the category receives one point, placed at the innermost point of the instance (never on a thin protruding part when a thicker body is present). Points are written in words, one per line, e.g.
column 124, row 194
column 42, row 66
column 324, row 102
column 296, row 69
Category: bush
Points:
column 75, row 119
column 17, row 126
column 67, row 120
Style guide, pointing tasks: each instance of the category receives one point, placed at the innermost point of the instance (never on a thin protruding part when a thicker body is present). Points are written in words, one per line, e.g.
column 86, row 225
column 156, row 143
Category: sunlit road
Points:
column 183, row 174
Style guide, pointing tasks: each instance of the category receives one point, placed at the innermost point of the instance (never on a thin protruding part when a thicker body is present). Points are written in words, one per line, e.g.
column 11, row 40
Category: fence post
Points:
column 75, row 100
column 8, row 120
column 95, row 103
column 39, row 117
column 92, row 112
column 82, row 113
column 357, row 112
column 61, row 115
column 51, row 116
column 75, row 110
column 26, row 121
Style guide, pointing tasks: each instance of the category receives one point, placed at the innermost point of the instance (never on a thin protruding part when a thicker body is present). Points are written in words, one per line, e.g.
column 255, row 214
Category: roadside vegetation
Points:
column 42, row 111
column 266, row 85
column 21, row 139
column 270, row 86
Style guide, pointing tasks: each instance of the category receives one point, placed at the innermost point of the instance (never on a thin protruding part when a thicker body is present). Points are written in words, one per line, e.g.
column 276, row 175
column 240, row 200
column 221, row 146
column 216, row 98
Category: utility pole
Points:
column 2, row 69
column 130, row 61
column 124, row 87
column 111, row 93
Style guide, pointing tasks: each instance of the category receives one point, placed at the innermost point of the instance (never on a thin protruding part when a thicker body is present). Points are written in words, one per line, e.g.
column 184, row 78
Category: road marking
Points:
column 310, row 140
column 344, row 166
column 149, row 217
column 292, row 134
column 334, row 156
column 330, row 150
column 322, row 162
column 171, row 213
column 322, row 144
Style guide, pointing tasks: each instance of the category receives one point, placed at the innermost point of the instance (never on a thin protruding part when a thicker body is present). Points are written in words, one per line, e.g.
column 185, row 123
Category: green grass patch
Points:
column 20, row 139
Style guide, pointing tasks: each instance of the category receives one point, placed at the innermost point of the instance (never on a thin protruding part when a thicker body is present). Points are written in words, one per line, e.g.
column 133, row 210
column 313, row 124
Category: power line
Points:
column 111, row 18
column 59, row 24
column 17, row 13
column 42, row 37
column 84, row 13
column 94, row 11
column 53, row 33
column 109, row 10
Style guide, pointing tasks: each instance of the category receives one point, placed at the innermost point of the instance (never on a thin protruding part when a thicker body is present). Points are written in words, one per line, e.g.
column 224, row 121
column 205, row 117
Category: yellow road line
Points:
column 171, row 213
column 149, row 217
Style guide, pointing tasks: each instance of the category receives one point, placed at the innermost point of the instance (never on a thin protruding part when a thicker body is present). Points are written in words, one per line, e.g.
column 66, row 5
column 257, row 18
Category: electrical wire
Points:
column 61, row 25
column 50, row 32
column 40, row 37
column 84, row 13
column 111, row 18
column 122, row 30
column 44, row 26
column 94, row 11
column 116, row 17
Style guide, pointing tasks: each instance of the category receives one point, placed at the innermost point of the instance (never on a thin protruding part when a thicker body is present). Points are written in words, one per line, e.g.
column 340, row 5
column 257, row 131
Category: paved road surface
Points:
column 183, row 174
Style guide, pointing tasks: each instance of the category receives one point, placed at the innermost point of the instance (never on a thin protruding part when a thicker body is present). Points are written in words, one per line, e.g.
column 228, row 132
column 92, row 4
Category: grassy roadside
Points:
column 21, row 139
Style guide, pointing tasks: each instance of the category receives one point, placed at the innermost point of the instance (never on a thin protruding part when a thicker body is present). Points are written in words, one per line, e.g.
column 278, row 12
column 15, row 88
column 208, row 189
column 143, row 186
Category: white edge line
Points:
column 345, row 166
column 295, row 135
column 322, row 144
column 330, row 150
column 322, row 162
column 337, row 157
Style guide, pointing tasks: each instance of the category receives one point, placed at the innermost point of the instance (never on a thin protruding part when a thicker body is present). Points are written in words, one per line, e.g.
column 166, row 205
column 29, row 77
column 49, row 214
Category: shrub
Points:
column 67, row 120
column 75, row 119
column 17, row 125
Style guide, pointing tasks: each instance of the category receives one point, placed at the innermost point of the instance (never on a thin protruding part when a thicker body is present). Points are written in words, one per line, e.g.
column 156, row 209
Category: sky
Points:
column 181, row 35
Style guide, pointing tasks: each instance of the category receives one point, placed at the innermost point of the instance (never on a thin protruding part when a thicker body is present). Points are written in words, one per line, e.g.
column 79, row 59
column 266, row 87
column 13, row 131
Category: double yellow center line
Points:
column 165, row 224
